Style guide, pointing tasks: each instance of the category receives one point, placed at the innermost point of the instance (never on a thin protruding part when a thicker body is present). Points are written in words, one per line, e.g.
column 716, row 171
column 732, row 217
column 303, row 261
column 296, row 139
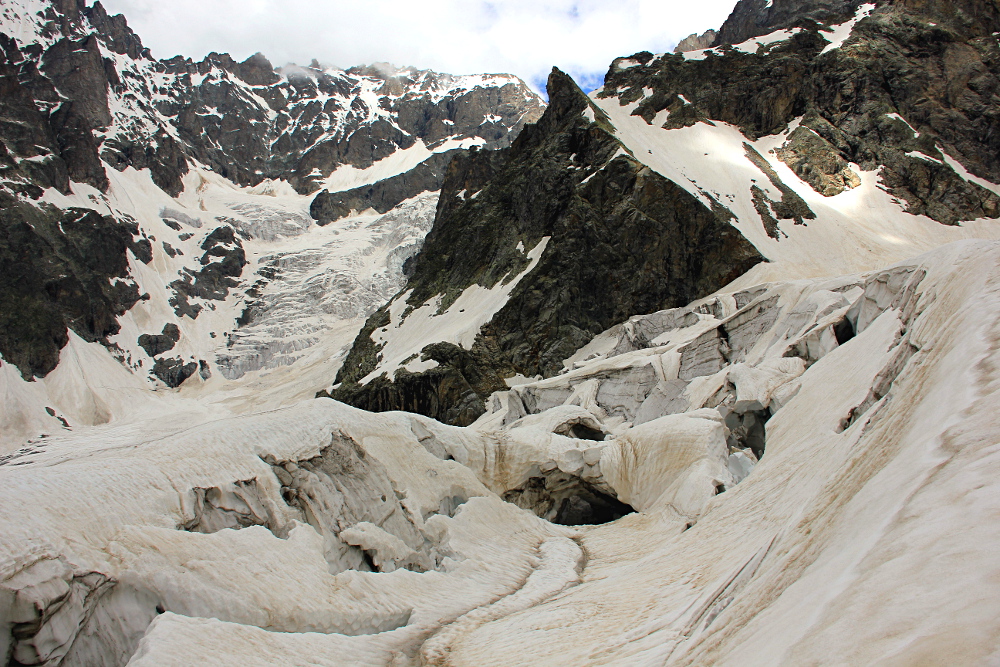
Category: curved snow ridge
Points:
column 173, row 640
column 560, row 562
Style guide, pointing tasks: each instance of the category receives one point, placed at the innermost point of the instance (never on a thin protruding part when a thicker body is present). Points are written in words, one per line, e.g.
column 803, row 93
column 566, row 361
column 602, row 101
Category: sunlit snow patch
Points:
column 753, row 45
column 838, row 34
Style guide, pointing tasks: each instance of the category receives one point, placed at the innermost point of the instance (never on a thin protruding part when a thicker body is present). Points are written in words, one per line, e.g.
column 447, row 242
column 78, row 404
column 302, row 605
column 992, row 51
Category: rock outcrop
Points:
column 696, row 41
column 622, row 239
column 62, row 271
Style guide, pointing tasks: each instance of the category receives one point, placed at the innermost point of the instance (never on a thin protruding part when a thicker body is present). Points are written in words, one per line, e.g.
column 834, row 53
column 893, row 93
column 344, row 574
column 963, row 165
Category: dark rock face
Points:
column 453, row 392
column 384, row 195
column 25, row 129
column 622, row 240
column 751, row 18
column 222, row 265
column 76, row 69
column 76, row 143
column 60, row 269
column 173, row 372
column 930, row 63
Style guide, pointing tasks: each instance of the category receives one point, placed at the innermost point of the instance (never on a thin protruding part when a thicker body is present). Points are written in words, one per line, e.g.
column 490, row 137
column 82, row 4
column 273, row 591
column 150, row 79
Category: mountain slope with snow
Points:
column 723, row 336
column 831, row 149
column 195, row 186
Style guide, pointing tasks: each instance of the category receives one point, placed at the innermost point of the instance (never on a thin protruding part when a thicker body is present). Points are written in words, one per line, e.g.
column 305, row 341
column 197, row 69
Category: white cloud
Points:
column 524, row 37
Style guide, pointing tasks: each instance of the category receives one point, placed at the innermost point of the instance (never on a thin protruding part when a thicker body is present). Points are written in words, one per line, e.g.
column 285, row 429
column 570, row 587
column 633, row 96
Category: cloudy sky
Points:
column 524, row 37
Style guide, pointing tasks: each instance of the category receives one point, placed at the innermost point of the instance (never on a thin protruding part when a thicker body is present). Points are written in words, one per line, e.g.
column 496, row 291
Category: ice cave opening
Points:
column 567, row 500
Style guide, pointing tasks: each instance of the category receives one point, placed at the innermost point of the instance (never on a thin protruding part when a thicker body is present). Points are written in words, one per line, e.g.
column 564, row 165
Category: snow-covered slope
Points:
column 876, row 443
column 793, row 464
column 858, row 229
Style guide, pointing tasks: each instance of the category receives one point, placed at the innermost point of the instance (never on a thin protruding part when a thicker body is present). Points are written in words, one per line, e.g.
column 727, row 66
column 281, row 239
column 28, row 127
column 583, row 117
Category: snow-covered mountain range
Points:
column 207, row 173
column 695, row 369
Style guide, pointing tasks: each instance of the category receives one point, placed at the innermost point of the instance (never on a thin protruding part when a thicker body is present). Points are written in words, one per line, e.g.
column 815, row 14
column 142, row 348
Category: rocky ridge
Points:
column 830, row 90
column 911, row 90
column 622, row 239
column 245, row 120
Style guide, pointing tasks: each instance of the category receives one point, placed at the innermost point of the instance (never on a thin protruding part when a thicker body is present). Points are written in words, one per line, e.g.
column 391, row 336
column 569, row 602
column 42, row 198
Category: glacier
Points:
column 798, row 468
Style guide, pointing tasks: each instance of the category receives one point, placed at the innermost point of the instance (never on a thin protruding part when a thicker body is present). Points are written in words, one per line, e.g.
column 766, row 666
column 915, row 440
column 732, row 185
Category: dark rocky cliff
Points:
column 61, row 270
column 623, row 240
column 751, row 18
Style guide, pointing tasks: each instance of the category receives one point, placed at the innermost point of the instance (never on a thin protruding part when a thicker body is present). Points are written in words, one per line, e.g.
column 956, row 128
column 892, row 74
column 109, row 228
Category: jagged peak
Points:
column 696, row 41
column 565, row 96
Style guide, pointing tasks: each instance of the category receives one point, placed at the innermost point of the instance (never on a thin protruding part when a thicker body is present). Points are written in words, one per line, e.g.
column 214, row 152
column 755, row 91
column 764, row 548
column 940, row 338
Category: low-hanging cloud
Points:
column 523, row 37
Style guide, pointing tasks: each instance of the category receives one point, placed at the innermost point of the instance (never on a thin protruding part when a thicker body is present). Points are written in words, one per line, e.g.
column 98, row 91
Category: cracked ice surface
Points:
column 876, row 440
column 343, row 271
